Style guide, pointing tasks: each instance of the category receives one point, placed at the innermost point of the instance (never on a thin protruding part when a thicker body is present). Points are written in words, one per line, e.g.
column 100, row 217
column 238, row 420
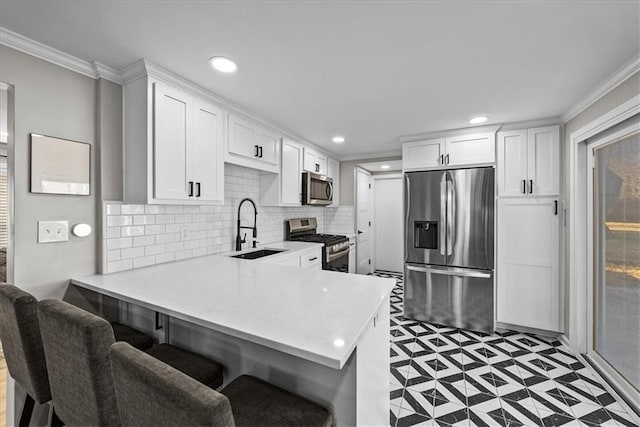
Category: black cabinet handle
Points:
column 260, row 151
column 257, row 151
column 158, row 323
column 524, row 186
column 197, row 189
column 190, row 188
column 447, row 158
column 313, row 259
column 317, row 167
column 530, row 186
column 441, row 159
column 555, row 207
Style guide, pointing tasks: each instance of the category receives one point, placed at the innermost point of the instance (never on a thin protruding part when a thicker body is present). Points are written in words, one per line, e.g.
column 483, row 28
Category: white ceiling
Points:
column 370, row 71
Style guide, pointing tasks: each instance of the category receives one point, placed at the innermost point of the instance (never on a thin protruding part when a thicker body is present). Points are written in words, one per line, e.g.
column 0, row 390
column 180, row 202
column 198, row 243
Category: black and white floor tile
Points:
column 452, row 377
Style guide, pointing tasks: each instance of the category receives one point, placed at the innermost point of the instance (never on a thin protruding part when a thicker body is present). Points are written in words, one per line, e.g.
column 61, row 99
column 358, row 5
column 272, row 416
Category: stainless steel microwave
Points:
column 316, row 189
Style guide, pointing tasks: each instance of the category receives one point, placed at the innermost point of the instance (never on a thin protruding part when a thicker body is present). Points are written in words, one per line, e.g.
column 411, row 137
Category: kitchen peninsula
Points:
column 324, row 335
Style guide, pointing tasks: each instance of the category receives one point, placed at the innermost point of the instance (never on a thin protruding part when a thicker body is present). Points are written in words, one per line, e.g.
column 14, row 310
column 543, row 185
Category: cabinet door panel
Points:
column 324, row 164
column 170, row 143
column 310, row 161
column 268, row 144
column 470, row 149
column 242, row 137
column 528, row 263
column 206, row 152
column 543, row 160
column 422, row 154
column 512, row 163
column 291, row 173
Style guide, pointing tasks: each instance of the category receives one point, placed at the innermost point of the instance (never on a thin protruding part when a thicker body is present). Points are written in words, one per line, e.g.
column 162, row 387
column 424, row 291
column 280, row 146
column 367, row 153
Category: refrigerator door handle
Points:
column 443, row 215
column 449, row 217
column 450, row 272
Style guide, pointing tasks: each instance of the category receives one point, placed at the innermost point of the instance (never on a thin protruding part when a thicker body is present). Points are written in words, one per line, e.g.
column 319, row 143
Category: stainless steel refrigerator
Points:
column 449, row 242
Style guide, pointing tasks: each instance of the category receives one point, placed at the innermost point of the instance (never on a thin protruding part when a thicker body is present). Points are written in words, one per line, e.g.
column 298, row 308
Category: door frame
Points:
column 374, row 220
column 578, row 224
column 601, row 140
column 356, row 170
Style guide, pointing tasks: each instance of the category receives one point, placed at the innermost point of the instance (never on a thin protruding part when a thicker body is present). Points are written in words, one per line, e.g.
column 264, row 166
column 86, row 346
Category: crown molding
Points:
column 450, row 132
column 4, row 86
column 615, row 80
column 371, row 156
column 40, row 50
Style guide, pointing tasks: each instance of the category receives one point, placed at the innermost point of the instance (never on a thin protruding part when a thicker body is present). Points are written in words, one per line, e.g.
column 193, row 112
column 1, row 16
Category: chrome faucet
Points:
column 239, row 240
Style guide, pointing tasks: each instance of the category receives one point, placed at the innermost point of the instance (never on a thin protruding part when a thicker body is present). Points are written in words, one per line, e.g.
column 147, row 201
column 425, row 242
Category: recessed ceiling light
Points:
column 385, row 167
column 224, row 65
column 338, row 139
column 478, row 119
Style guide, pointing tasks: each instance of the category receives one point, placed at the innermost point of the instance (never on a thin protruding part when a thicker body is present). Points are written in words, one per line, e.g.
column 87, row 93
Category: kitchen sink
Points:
column 258, row 254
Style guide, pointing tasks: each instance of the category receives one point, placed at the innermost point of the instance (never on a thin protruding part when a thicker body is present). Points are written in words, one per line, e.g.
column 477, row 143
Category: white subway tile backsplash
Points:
column 144, row 219
column 132, row 209
column 141, row 235
column 131, row 231
column 118, row 220
column 119, row 243
column 132, row 252
column 144, row 240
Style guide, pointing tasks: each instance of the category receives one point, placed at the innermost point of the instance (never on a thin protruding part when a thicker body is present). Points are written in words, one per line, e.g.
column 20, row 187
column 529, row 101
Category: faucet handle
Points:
column 244, row 238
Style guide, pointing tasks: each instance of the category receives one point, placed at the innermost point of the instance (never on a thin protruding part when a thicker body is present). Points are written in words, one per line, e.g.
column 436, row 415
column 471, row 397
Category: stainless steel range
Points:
column 335, row 252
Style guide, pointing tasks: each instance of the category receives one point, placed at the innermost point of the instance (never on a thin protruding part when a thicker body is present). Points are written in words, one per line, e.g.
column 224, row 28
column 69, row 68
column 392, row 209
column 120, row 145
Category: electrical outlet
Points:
column 53, row 231
column 186, row 233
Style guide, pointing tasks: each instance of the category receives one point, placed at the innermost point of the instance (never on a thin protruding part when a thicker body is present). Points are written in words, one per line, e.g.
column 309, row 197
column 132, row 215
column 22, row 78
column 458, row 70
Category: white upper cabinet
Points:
column 284, row 188
column 470, row 149
column 462, row 150
column 315, row 161
column 252, row 145
column 423, row 154
column 291, row 173
column 529, row 162
column 333, row 172
column 173, row 145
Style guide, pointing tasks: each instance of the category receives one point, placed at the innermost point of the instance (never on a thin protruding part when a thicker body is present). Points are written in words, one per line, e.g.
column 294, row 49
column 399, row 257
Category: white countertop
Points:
column 313, row 314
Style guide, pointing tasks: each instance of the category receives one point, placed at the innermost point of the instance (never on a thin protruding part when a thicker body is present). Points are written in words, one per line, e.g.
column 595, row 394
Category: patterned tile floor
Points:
column 451, row 377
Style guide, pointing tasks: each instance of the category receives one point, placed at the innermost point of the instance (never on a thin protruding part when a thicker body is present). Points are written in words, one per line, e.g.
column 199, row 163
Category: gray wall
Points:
column 54, row 101
column 628, row 89
column 347, row 177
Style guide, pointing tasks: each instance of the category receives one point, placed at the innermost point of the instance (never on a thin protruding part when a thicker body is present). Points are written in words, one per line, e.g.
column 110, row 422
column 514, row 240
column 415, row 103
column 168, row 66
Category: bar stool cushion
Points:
column 257, row 403
column 198, row 367
column 139, row 340
column 76, row 346
column 21, row 341
column 152, row 393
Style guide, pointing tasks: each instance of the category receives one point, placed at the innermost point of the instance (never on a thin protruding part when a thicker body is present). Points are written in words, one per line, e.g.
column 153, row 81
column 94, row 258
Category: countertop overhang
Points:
column 317, row 315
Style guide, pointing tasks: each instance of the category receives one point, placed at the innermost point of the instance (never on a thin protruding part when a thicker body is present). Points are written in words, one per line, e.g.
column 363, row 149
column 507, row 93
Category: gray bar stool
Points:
column 22, row 345
column 150, row 393
column 76, row 347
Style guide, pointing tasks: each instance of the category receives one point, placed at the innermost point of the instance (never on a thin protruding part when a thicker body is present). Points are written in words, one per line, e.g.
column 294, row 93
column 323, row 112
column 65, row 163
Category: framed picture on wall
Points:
column 60, row 166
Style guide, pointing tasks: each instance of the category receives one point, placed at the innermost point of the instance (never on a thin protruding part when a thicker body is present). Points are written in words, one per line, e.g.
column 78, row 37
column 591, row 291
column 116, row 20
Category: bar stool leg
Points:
column 27, row 411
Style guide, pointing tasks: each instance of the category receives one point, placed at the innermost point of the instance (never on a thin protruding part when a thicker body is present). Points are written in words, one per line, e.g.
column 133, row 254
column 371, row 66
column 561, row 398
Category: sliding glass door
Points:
column 615, row 314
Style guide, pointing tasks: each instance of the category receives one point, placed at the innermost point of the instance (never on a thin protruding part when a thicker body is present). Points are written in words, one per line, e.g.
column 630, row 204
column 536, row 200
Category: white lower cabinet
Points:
column 310, row 259
column 528, row 267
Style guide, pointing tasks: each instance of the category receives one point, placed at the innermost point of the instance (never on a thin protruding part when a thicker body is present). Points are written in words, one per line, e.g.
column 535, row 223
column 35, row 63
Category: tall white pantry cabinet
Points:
column 529, row 228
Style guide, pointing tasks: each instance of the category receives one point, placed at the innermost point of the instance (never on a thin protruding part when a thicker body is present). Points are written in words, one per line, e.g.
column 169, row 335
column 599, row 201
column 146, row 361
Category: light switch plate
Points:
column 53, row 231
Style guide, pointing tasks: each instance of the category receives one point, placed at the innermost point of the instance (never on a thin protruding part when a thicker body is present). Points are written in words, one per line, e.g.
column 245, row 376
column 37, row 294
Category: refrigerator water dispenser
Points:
column 425, row 234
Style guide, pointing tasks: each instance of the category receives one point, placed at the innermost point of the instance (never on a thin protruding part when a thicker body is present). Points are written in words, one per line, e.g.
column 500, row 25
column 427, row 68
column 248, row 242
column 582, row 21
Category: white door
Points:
column 243, row 138
column 205, row 153
column 511, row 166
column 363, row 221
column 323, row 164
column 268, row 143
column 170, row 143
column 388, row 223
column 291, row 173
column 543, row 161
column 311, row 161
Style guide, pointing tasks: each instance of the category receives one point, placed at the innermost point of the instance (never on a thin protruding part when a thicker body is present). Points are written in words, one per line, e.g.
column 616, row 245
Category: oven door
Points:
column 338, row 261
column 316, row 189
